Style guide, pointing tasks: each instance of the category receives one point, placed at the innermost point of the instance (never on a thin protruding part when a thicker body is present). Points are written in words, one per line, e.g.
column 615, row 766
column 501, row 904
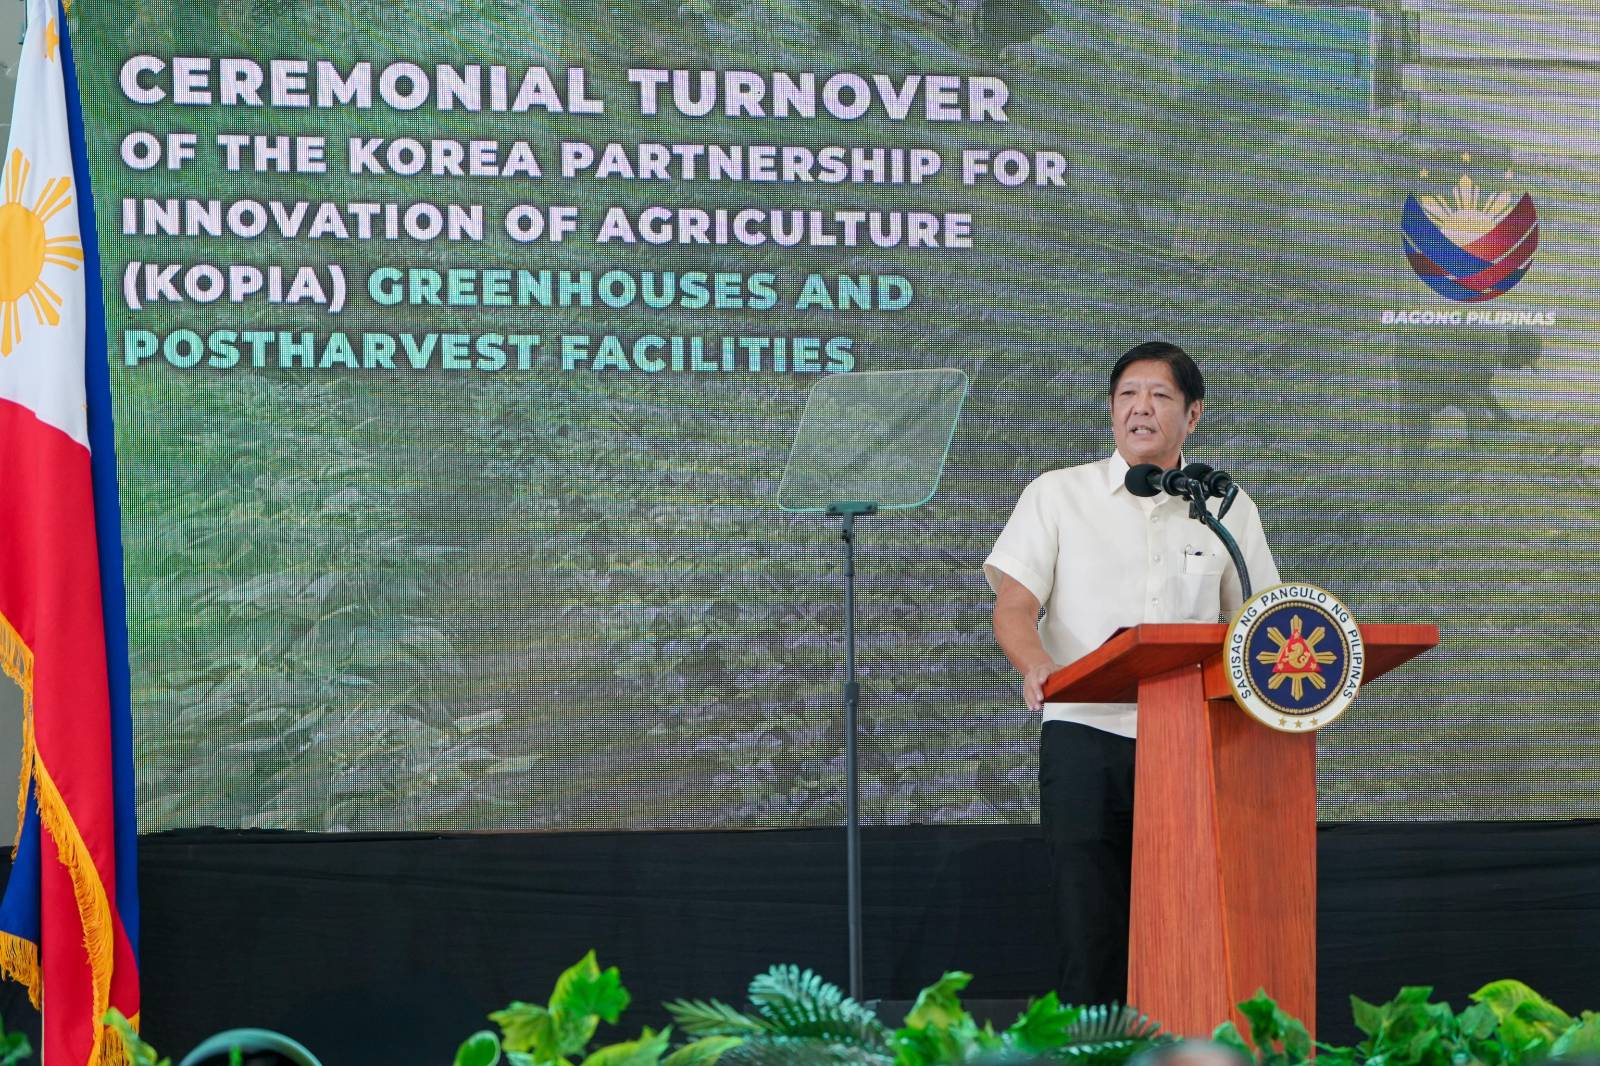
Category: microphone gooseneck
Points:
column 1194, row 483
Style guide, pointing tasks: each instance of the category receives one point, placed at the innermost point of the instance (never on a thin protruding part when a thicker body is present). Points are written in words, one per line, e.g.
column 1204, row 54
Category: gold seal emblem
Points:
column 1295, row 657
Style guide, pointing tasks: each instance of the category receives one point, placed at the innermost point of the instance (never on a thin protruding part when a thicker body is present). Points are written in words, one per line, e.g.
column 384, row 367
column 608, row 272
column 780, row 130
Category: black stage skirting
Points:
column 393, row 947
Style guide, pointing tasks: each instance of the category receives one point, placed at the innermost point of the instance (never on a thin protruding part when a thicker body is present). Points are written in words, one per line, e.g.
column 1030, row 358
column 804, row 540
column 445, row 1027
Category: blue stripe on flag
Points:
column 1431, row 242
column 107, row 509
column 19, row 911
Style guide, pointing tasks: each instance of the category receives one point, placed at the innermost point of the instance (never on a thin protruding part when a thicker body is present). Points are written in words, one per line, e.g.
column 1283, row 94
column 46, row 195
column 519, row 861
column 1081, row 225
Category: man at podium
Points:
column 1094, row 558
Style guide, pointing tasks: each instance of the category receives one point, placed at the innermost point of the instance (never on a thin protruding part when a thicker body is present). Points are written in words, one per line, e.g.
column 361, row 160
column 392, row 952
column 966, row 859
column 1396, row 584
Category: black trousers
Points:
column 1086, row 813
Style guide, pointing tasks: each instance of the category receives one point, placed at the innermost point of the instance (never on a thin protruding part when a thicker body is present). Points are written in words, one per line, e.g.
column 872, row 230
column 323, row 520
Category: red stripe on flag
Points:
column 50, row 595
column 1514, row 261
column 1507, row 232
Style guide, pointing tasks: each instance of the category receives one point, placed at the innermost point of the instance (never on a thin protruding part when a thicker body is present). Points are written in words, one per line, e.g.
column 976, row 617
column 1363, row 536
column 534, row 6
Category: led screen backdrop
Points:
column 457, row 348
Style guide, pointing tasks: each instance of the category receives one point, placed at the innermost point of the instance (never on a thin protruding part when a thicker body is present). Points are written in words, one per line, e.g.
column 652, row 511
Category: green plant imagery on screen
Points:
column 456, row 578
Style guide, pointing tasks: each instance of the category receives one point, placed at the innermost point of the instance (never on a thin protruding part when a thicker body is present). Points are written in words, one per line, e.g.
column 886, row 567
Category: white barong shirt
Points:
column 1099, row 558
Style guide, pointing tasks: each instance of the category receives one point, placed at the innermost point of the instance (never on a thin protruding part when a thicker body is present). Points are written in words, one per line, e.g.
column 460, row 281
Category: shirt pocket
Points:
column 1199, row 592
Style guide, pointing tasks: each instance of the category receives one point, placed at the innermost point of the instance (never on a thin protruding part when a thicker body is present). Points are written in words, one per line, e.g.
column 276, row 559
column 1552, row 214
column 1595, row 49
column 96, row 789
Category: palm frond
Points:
column 1112, row 1021
column 1108, row 1035
column 707, row 1051
column 799, row 1003
column 699, row 1017
column 802, row 1051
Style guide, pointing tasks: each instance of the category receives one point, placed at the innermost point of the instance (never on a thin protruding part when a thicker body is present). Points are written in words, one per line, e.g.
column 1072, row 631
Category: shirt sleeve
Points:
column 1257, row 557
column 1028, row 546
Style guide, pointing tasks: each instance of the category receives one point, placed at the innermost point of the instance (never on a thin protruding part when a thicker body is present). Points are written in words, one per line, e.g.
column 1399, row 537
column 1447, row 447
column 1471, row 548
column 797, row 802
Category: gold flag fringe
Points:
column 113, row 1052
column 16, row 662
column 94, row 908
column 19, row 958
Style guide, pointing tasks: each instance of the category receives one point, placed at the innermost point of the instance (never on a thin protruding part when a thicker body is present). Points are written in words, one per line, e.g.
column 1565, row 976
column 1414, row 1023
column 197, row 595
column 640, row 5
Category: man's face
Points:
column 1149, row 419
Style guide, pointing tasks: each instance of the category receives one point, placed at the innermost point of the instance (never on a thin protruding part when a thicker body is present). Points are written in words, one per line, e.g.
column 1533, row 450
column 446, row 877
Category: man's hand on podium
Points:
column 1033, row 683
column 1016, row 630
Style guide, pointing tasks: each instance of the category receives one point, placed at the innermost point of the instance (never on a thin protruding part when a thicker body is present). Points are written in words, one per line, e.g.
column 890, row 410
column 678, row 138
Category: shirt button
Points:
column 1155, row 558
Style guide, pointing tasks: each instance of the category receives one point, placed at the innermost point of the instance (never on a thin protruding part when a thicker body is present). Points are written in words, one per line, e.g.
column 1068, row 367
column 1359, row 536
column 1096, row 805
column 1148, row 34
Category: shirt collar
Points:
column 1117, row 473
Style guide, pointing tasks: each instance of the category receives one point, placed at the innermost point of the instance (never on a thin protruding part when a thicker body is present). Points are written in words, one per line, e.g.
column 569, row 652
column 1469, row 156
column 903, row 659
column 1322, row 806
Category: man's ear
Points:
column 1196, row 409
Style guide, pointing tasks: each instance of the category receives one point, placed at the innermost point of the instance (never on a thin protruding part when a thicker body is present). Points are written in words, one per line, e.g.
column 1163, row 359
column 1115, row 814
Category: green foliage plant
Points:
column 798, row 1019
column 558, row 1032
column 1507, row 1024
column 1278, row 1039
column 940, row 1030
column 14, row 1047
column 1529, row 1026
column 1582, row 1041
column 139, row 1052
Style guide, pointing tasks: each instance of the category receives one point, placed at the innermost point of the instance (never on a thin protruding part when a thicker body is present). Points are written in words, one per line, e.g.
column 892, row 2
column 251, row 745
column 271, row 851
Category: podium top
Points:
column 1112, row 672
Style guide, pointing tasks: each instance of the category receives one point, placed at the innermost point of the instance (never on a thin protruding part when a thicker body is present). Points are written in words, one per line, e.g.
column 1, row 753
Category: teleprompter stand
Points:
column 867, row 443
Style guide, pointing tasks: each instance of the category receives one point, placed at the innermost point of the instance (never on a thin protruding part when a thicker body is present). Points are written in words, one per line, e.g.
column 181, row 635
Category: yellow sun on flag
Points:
column 26, row 248
column 1468, row 212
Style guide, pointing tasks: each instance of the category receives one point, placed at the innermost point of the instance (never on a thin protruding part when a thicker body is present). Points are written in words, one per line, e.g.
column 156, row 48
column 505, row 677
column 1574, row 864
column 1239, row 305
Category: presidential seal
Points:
column 1295, row 657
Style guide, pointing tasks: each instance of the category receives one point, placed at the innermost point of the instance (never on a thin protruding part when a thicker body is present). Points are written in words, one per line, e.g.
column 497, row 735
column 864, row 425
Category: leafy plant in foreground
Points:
column 1508, row 1024
column 14, row 1047
column 1409, row 1029
column 798, row 1019
column 1278, row 1038
column 139, row 1052
column 1106, row 1035
column 1531, row 1027
column 558, row 1032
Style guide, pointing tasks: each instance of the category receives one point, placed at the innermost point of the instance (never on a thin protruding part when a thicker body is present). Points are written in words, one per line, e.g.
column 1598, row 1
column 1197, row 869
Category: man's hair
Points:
column 1184, row 369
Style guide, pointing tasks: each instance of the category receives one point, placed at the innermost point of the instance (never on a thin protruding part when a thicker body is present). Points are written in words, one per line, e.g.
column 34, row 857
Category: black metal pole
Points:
column 847, row 513
column 852, row 788
column 1202, row 514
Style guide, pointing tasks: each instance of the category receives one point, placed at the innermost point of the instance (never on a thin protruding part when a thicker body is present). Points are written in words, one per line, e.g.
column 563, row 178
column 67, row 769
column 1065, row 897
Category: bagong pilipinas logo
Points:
column 1295, row 657
column 1470, row 245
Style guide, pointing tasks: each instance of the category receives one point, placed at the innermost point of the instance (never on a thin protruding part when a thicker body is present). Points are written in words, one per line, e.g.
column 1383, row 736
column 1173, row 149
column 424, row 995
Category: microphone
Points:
column 1216, row 482
column 1148, row 479
column 1197, row 472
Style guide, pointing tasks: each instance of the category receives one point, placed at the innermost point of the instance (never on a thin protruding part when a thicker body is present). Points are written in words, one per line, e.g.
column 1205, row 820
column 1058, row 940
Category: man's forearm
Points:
column 1016, row 626
column 1016, row 630
column 1018, row 638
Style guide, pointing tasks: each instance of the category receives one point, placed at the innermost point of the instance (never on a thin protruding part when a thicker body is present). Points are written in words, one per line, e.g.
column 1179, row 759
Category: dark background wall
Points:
column 393, row 947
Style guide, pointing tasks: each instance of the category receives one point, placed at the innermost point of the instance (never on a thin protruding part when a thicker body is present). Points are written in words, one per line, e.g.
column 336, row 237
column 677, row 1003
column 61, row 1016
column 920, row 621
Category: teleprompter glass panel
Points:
column 878, row 438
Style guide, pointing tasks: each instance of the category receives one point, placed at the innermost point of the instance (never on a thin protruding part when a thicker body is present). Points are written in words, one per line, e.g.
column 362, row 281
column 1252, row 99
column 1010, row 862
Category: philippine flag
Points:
column 69, row 918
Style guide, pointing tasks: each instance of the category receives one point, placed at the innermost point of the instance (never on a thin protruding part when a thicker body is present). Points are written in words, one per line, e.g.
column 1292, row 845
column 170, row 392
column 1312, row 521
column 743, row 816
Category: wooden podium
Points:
column 1225, row 825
